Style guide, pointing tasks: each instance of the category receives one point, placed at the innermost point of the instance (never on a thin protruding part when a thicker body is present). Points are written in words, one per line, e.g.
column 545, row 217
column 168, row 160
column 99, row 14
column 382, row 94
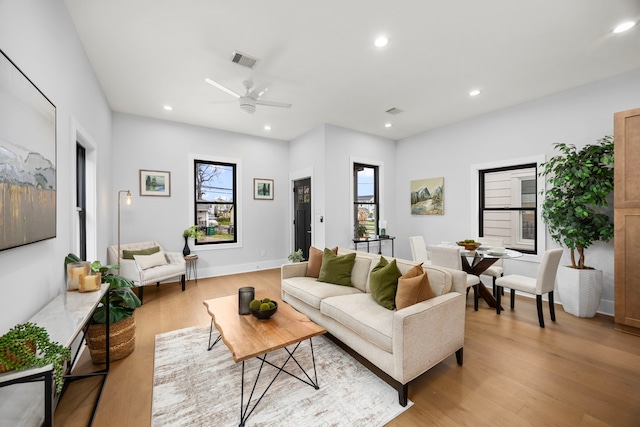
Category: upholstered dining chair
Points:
column 497, row 269
column 419, row 249
column 449, row 257
column 543, row 284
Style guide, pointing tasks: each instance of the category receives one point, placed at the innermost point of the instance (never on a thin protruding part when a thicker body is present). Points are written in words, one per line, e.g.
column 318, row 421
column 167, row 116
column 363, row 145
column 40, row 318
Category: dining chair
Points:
column 419, row 249
column 450, row 257
column 497, row 269
column 544, row 283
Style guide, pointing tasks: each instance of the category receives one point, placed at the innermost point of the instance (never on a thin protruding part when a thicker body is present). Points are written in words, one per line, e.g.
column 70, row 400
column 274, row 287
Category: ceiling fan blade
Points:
column 259, row 90
column 222, row 88
column 273, row 103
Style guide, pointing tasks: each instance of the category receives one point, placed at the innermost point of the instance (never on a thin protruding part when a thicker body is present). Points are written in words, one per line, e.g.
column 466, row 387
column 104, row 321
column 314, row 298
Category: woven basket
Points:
column 15, row 359
column 122, row 340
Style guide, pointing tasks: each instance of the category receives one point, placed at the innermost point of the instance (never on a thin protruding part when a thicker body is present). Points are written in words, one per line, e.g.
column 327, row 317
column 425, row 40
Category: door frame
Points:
column 295, row 176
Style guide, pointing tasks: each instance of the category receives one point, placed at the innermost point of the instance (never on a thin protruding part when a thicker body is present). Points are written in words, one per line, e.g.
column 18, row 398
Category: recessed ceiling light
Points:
column 381, row 41
column 267, row 127
column 624, row 27
column 388, row 125
column 168, row 107
column 474, row 92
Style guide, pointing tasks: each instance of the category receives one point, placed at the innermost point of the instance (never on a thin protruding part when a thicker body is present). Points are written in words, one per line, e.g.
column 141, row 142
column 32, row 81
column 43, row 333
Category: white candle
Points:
column 89, row 283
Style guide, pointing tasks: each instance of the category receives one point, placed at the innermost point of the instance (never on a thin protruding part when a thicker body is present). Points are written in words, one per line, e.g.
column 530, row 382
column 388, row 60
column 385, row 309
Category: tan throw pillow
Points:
column 315, row 261
column 413, row 289
column 148, row 261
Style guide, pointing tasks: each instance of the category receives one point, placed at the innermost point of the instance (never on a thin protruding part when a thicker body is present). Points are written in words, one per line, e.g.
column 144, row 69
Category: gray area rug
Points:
column 196, row 387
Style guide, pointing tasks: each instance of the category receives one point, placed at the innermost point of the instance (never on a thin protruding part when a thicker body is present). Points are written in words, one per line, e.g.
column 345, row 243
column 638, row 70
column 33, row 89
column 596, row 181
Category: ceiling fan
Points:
column 251, row 98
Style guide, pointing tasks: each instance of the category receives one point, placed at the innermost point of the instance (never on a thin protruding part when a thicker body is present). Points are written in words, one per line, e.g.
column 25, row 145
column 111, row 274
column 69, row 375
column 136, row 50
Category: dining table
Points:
column 477, row 261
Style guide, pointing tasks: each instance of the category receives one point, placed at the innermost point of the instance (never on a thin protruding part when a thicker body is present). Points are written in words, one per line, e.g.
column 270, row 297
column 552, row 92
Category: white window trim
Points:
column 475, row 203
column 239, row 197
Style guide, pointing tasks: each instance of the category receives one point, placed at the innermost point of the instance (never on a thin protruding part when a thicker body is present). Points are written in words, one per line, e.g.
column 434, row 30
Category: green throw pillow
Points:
column 149, row 251
column 383, row 282
column 336, row 269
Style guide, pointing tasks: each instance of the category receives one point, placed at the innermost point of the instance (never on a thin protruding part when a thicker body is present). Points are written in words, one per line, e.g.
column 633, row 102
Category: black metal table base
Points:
column 247, row 409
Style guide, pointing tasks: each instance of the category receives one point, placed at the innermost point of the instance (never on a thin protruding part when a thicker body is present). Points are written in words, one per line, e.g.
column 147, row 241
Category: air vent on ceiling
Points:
column 244, row 60
column 394, row 111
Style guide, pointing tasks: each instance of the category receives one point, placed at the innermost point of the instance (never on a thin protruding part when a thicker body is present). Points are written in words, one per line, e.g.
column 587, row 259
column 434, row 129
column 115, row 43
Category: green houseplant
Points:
column 361, row 230
column 192, row 232
column 296, row 256
column 580, row 182
column 27, row 346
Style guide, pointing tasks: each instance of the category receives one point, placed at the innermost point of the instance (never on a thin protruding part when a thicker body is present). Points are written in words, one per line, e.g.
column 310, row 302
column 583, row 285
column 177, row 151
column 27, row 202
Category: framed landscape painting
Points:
column 263, row 189
column 27, row 160
column 427, row 196
column 155, row 183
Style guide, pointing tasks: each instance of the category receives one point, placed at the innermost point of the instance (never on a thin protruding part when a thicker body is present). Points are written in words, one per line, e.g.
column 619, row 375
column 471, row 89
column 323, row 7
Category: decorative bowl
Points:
column 469, row 246
column 265, row 314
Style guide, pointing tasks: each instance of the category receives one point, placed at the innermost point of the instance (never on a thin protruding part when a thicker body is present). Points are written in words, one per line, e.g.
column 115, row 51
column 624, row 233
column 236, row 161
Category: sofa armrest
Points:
column 129, row 269
column 296, row 269
column 426, row 333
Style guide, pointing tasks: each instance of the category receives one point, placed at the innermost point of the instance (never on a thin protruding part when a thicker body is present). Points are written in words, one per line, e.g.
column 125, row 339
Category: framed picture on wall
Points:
column 262, row 189
column 155, row 183
column 28, row 184
column 427, row 196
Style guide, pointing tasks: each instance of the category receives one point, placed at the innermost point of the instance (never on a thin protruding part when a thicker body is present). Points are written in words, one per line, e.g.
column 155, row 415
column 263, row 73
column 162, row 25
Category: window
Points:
column 508, row 206
column 366, row 209
column 215, row 201
column 81, row 200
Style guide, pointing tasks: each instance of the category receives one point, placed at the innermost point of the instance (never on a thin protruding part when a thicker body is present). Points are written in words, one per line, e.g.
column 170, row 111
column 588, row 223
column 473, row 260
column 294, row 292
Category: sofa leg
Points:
column 403, row 393
column 182, row 281
column 140, row 294
column 459, row 356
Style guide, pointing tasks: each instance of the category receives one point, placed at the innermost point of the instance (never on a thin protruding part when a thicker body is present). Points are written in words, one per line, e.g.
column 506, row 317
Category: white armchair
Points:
column 146, row 272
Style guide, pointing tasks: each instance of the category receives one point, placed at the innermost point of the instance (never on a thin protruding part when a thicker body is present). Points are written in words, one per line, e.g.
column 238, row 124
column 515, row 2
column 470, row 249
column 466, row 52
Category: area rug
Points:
column 196, row 387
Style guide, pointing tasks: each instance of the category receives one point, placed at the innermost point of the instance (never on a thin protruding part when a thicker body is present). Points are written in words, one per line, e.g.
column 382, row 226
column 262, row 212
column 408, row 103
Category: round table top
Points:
column 191, row 257
column 487, row 253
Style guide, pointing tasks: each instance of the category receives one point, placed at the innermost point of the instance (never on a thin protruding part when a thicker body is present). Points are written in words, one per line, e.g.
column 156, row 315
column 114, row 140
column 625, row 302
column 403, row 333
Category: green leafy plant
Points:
column 193, row 232
column 361, row 229
column 28, row 345
column 122, row 300
column 580, row 181
column 296, row 256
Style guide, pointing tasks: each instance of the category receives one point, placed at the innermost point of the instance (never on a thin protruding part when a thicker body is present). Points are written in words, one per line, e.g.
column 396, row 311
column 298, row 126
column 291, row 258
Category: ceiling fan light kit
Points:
column 250, row 99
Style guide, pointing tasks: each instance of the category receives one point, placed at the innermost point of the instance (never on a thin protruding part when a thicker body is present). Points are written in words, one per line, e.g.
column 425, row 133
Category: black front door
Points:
column 302, row 215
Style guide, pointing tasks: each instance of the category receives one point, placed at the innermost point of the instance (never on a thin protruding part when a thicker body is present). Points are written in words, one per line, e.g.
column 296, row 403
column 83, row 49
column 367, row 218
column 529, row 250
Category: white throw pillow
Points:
column 148, row 261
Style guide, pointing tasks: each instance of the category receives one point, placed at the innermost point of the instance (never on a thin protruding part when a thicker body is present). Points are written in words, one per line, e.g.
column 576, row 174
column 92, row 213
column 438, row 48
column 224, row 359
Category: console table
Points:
column 22, row 401
column 380, row 239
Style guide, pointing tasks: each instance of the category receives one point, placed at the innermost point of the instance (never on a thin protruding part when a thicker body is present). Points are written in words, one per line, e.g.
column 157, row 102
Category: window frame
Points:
column 356, row 165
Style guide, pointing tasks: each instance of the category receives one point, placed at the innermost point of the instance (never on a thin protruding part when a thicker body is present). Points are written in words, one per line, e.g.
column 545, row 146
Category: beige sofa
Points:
column 175, row 266
column 402, row 343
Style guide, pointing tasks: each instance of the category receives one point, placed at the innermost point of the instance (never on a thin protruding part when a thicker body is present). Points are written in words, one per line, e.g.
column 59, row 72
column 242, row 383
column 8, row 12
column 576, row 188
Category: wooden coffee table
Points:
column 248, row 337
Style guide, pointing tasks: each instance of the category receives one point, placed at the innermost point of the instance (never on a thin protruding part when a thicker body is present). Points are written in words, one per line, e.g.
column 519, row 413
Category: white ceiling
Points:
column 319, row 56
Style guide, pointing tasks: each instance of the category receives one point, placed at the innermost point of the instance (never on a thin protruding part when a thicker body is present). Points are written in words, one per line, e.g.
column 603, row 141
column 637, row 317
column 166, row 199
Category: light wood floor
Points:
column 575, row 372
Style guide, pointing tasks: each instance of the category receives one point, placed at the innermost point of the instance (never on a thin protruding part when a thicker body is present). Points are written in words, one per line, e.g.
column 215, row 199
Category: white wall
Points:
column 150, row 144
column 39, row 37
column 580, row 116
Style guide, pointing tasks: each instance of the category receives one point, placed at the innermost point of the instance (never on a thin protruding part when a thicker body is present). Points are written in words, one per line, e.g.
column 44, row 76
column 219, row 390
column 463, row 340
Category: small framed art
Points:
column 263, row 189
column 155, row 183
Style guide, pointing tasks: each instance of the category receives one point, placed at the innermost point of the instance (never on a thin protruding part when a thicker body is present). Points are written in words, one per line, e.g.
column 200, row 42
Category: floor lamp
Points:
column 128, row 203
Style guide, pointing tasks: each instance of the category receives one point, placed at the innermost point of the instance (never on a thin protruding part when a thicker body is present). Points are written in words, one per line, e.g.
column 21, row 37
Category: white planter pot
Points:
column 579, row 290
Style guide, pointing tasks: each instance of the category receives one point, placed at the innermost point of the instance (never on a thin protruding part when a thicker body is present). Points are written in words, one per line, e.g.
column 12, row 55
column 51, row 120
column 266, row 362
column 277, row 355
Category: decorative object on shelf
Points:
column 296, row 256
column 579, row 183
column 28, row 345
column 427, row 196
column 382, row 225
column 28, row 137
column 263, row 189
column 245, row 297
column 122, row 304
column 263, row 309
column 191, row 232
column 128, row 202
column 155, row 183
column 76, row 270
column 361, row 231
column 469, row 244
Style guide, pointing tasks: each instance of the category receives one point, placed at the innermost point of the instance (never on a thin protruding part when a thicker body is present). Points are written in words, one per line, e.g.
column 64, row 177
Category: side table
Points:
column 192, row 266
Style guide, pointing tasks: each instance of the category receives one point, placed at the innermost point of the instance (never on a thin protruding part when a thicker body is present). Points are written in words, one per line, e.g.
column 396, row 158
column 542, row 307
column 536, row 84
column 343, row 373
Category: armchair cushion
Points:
column 147, row 261
column 129, row 254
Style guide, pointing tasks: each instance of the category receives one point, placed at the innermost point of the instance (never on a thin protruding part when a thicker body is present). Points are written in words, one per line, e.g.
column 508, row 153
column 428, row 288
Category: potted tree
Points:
column 28, row 346
column 573, row 208
column 122, row 326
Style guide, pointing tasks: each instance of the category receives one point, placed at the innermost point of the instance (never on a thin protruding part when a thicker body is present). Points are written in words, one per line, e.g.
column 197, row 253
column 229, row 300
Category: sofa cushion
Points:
column 383, row 282
column 336, row 269
column 363, row 315
column 315, row 261
column 312, row 292
column 413, row 287
column 360, row 273
column 149, row 261
column 128, row 254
